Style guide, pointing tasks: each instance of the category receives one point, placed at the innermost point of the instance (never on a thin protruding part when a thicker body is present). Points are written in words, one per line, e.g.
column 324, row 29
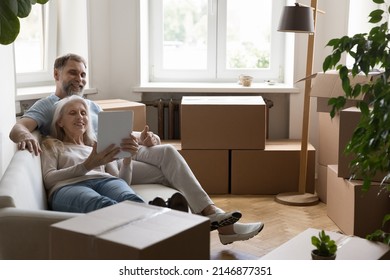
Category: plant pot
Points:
column 316, row 256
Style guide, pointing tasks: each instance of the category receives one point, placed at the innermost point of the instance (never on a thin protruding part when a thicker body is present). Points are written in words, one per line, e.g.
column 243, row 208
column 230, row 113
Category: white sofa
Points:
column 24, row 216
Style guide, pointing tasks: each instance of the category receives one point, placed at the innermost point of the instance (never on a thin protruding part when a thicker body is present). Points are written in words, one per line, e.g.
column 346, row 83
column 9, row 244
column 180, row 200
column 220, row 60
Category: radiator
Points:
column 168, row 112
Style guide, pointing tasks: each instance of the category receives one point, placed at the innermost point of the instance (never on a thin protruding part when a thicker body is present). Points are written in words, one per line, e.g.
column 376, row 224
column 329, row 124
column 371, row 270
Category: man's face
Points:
column 71, row 79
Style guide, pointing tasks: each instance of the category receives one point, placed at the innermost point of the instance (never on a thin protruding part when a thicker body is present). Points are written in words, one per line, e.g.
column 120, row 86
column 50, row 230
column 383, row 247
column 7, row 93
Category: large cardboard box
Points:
column 272, row 170
column 349, row 248
column 349, row 119
column 328, row 143
column 130, row 230
column 223, row 122
column 329, row 85
column 125, row 105
column 355, row 212
column 210, row 167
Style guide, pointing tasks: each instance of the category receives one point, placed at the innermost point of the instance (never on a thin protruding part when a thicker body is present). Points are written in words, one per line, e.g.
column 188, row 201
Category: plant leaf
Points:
column 376, row 16
column 386, row 219
column 24, row 8
column 10, row 12
column 9, row 22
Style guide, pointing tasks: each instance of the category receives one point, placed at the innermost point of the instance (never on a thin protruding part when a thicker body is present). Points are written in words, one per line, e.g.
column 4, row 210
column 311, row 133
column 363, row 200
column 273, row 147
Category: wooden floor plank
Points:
column 282, row 222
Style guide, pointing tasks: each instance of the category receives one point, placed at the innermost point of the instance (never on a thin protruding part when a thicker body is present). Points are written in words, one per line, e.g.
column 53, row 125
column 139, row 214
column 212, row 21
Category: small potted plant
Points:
column 326, row 247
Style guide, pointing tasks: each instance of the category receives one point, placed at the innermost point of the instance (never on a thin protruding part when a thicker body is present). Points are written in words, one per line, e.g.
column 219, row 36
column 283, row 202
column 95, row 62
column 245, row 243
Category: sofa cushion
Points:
column 149, row 191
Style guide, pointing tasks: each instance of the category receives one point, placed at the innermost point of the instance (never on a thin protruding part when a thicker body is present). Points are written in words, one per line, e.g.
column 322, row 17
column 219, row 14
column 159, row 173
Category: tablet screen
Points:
column 113, row 126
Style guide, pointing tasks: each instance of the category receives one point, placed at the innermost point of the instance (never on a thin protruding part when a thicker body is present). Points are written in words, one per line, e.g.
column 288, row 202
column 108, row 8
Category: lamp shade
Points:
column 297, row 19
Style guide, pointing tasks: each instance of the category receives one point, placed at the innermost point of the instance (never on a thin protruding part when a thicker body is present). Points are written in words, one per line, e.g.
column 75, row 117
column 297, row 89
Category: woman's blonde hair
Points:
column 58, row 133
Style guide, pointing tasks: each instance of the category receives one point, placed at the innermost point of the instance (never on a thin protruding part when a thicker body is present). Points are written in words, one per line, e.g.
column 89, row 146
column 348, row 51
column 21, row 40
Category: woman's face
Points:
column 74, row 120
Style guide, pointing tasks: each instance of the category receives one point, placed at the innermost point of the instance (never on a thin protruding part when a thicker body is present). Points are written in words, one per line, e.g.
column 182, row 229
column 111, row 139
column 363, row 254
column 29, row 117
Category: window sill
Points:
column 32, row 93
column 215, row 88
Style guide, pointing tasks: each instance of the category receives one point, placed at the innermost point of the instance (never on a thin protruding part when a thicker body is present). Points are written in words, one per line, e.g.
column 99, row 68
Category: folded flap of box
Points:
column 153, row 229
column 108, row 218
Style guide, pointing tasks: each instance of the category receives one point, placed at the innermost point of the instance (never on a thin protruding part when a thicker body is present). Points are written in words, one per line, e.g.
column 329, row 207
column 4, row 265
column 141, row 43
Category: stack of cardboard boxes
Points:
column 354, row 211
column 223, row 138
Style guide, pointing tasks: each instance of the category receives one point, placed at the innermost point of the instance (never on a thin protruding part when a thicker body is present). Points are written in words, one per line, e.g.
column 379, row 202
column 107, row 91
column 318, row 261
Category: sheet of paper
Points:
column 113, row 126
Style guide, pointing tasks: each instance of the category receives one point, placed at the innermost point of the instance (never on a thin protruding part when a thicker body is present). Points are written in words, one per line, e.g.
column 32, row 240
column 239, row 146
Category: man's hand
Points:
column 21, row 134
column 148, row 138
column 28, row 142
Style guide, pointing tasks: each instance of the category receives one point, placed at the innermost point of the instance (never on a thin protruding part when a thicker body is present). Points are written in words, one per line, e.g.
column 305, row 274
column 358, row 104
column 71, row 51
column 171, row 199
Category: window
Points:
column 215, row 40
column 35, row 47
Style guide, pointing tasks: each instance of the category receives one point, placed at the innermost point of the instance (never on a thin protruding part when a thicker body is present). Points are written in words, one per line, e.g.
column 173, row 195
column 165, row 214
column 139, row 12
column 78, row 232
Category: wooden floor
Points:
column 282, row 223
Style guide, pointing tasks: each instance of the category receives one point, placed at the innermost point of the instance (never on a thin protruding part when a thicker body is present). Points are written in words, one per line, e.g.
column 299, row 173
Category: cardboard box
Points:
column 272, row 170
column 328, row 84
column 223, row 122
column 210, row 167
column 349, row 119
column 130, row 230
column 355, row 212
column 124, row 105
column 321, row 182
column 328, row 132
column 349, row 248
column 323, row 107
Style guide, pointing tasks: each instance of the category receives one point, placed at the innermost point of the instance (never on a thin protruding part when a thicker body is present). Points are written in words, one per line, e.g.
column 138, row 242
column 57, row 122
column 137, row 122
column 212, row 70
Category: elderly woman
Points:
column 79, row 179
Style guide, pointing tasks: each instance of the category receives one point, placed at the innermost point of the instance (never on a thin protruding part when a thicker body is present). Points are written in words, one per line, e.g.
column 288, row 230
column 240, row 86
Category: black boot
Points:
column 158, row 201
column 178, row 202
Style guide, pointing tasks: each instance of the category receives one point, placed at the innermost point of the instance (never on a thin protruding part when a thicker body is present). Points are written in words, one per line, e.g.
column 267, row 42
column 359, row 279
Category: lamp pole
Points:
column 302, row 198
column 306, row 105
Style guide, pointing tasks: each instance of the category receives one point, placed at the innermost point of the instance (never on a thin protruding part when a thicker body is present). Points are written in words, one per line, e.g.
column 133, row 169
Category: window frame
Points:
column 216, row 71
column 44, row 77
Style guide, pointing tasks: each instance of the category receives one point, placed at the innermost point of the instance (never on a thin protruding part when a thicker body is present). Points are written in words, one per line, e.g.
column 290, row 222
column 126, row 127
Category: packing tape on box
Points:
column 141, row 218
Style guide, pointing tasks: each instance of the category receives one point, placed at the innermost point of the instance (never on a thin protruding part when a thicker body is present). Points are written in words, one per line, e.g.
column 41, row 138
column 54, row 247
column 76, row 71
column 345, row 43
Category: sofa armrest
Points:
column 21, row 185
column 25, row 234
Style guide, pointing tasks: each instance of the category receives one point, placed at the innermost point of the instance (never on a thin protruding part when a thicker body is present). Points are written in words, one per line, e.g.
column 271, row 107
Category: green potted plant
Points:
column 370, row 142
column 10, row 12
column 326, row 248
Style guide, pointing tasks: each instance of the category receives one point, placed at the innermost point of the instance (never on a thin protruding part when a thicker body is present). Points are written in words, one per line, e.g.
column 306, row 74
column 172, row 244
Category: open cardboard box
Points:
column 328, row 84
column 130, row 230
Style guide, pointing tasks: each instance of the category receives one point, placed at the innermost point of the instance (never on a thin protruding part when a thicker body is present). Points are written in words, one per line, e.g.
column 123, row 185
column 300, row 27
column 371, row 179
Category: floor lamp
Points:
column 301, row 19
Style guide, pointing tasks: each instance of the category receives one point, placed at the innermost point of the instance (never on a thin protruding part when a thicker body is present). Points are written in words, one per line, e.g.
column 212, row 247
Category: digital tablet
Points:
column 113, row 126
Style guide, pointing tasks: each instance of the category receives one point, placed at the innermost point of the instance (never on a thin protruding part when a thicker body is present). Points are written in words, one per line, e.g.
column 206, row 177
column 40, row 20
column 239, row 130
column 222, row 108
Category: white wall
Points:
column 114, row 48
column 7, row 105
